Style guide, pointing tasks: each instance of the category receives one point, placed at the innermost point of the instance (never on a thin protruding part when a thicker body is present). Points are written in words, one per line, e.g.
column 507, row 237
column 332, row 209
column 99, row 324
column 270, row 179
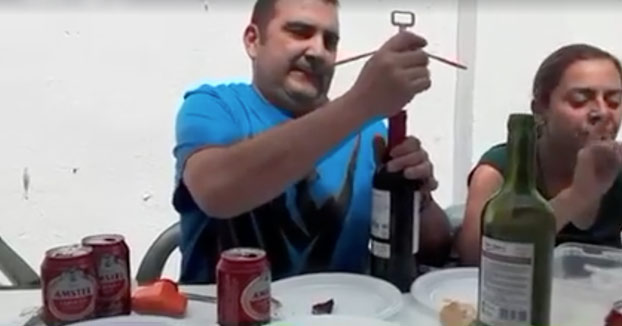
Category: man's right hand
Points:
column 394, row 75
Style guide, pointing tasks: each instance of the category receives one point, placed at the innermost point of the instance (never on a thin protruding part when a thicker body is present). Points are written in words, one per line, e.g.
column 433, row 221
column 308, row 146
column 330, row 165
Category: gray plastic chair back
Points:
column 455, row 215
column 19, row 274
column 153, row 262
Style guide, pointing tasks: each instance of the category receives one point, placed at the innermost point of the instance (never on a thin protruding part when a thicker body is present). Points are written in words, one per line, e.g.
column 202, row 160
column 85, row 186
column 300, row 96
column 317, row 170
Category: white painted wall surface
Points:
column 96, row 88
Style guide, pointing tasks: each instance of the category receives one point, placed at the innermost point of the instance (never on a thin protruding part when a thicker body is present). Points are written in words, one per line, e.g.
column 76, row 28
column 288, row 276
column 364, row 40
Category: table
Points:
column 15, row 302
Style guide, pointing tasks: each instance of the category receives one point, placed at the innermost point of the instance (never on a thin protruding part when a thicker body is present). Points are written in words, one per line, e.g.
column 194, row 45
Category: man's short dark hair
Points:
column 263, row 11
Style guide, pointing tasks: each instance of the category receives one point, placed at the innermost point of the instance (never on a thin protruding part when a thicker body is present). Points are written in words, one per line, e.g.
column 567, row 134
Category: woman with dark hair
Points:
column 577, row 96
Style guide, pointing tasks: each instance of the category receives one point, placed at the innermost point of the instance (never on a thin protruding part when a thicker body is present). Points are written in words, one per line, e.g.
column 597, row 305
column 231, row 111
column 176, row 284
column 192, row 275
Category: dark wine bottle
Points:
column 518, row 238
column 395, row 218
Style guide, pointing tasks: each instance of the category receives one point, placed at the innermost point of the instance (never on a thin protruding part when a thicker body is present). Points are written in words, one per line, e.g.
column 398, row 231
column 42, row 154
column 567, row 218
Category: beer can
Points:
column 243, row 285
column 614, row 318
column 69, row 284
column 112, row 265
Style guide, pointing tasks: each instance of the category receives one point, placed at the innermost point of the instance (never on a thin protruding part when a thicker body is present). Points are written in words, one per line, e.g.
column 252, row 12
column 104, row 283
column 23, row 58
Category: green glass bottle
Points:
column 518, row 238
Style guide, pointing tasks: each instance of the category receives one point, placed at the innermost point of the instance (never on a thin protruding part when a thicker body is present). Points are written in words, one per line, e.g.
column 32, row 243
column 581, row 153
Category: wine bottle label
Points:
column 380, row 249
column 506, row 283
column 381, row 217
column 381, row 214
column 416, row 221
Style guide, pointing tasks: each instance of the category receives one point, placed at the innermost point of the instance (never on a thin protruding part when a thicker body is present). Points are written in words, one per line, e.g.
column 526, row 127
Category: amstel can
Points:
column 243, row 284
column 614, row 318
column 112, row 266
column 69, row 284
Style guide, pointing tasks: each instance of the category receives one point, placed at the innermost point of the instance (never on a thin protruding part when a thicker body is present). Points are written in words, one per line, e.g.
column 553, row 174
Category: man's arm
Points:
column 226, row 181
column 435, row 234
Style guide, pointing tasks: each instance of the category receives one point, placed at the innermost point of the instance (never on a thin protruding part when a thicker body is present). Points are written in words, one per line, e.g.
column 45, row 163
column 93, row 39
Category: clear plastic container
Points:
column 587, row 280
column 588, row 266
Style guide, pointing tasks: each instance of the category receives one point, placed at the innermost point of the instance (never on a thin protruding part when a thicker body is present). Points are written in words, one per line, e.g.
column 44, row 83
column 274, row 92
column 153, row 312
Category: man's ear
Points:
column 251, row 40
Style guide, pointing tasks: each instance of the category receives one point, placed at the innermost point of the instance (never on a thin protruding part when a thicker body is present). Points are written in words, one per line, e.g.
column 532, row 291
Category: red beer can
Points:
column 614, row 318
column 243, row 284
column 69, row 284
column 112, row 265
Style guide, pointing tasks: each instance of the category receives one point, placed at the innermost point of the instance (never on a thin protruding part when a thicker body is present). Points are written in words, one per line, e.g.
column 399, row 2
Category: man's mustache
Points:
column 317, row 69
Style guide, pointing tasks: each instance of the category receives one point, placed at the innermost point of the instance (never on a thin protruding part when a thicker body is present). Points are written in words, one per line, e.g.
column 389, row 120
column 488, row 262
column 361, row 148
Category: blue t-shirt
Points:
column 320, row 223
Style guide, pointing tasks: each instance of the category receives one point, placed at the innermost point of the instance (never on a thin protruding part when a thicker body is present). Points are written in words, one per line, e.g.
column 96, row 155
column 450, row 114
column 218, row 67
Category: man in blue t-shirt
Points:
column 277, row 165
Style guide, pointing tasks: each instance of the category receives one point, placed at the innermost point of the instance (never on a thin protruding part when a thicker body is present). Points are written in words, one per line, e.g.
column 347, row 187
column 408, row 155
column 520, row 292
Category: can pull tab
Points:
column 402, row 19
column 397, row 123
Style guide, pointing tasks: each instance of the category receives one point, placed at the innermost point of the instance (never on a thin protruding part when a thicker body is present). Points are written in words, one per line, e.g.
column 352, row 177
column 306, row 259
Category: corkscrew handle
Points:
column 402, row 19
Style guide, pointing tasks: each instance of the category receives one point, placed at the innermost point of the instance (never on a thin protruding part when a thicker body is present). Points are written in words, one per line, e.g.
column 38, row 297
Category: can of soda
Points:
column 69, row 284
column 112, row 264
column 243, row 283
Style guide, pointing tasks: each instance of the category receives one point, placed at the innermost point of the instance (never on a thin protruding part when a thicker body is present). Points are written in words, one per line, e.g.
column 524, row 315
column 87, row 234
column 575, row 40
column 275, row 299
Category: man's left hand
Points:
column 410, row 158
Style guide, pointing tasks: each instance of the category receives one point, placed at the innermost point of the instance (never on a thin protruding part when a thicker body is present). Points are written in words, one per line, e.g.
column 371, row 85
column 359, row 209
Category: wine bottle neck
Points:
column 521, row 173
column 397, row 132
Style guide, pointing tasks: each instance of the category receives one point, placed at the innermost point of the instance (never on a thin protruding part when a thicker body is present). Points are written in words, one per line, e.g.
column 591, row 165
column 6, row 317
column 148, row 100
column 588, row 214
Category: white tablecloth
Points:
column 16, row 306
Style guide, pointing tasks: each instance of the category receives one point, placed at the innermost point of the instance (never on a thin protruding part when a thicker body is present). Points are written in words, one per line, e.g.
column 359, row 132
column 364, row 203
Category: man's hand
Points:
column 435, row 231
column 393, row 75
column 410, row 158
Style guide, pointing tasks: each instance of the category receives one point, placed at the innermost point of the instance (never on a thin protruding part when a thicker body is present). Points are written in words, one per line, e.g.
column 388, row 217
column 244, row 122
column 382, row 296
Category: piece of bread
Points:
column 456, row 313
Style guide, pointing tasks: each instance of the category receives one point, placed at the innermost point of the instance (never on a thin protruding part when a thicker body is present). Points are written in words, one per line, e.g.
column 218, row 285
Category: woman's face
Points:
column 586, row 106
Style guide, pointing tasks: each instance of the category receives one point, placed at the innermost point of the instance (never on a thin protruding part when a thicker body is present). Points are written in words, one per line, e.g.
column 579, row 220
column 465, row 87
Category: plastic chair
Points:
column 455, row 215
column 16, row 270
column 153, row 262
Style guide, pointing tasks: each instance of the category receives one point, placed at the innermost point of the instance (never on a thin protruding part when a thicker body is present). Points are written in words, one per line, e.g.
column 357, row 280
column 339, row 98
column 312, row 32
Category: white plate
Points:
column 353, row 294
column 131, row 320
column 197, row 314
column 434, row 288
column 330, row 320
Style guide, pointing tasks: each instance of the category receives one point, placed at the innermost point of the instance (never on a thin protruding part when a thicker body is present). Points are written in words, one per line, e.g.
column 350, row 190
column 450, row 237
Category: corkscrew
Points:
column 397, row 123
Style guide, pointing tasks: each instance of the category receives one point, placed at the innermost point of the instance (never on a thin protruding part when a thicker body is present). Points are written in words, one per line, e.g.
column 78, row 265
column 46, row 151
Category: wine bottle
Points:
column 518, row 238
column 395, row 218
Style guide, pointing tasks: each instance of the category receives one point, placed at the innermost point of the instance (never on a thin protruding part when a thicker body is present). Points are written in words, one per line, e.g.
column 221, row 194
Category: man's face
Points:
column 293, row 60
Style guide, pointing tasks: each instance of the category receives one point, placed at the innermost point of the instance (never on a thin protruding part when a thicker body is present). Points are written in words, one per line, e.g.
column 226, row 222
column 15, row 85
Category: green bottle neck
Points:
column 521, row 174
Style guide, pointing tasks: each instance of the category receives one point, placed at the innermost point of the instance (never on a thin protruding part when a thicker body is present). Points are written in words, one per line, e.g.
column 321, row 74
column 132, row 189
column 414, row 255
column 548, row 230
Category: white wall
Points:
column 96, row 88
